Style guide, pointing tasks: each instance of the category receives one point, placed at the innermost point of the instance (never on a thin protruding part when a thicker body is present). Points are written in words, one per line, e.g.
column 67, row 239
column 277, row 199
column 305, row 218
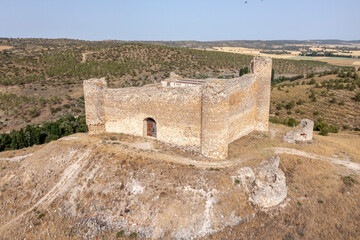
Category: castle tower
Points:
column 261, row 67
column 94, row 90
column 214, row 121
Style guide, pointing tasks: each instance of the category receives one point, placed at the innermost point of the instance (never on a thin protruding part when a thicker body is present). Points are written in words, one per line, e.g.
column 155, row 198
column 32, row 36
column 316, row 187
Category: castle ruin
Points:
column 204, row 115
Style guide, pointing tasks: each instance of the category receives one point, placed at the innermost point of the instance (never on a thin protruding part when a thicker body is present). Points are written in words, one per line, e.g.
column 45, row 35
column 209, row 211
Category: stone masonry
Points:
column 203, row 115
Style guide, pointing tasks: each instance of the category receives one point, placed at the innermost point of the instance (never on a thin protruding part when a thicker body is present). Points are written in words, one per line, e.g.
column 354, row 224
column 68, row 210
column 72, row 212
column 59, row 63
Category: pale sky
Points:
column 203, row 20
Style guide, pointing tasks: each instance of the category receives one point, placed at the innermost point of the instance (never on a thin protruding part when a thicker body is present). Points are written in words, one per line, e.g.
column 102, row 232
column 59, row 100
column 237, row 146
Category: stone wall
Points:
column 261, row 67
column 176, row 111
column 242, row 106
column 215, row 120
column 94, row 104
column 205, row 117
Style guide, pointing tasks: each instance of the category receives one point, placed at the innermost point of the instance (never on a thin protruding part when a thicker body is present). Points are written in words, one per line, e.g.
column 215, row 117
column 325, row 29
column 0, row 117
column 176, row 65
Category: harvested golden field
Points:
column 252, row 51
column 295, row 54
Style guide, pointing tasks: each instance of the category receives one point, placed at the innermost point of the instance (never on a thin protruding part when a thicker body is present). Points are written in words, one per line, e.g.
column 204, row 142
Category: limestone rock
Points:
column 267, row 186
column 247, row 177
column 303, row 134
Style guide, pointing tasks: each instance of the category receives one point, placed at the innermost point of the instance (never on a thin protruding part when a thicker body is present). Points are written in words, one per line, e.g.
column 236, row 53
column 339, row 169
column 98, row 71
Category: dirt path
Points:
column 62, row 186
column 150, row 151
column 16, row 159
column 84, row 56
column 344, row 162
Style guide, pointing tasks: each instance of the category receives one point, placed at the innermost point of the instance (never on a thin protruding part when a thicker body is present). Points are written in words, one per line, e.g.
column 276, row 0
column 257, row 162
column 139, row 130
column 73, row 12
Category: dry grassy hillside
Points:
column 41, row 79
column 331, row 98
column 109, row 186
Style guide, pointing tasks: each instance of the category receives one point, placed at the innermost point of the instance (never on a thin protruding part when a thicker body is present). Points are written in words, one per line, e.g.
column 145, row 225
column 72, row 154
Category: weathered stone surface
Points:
column 204, row 115
column 267, row 186
column 303, row 134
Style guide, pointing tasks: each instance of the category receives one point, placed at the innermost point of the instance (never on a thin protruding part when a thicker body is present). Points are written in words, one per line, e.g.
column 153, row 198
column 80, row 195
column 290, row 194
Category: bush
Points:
column 292, row 122
column 324, row 127
column 290, row 105
column 312, row 81
column 333, row 100
column 357, row 97
column 349, row 180
column 300, row 102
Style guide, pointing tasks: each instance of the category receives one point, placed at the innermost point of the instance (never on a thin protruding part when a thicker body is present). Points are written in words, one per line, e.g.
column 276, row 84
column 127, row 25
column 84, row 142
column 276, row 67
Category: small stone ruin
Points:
column 302, row 134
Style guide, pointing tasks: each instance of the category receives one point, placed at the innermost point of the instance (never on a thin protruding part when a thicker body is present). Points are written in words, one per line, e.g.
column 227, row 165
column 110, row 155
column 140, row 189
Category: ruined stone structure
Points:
column 204, row 115
column 302, row 134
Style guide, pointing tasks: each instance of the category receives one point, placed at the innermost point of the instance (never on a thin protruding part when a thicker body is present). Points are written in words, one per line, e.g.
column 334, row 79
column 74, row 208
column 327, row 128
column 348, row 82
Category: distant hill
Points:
column 41, row 79
column 257, row 44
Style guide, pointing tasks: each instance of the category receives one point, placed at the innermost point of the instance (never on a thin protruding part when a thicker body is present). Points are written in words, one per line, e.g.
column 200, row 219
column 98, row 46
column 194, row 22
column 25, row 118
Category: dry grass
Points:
column 333, row 113
column 5, row 47
column 320, row 204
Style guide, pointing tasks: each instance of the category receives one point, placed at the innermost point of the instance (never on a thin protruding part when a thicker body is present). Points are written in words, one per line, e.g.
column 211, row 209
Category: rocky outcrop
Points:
column 267, row 186
column 303, row 134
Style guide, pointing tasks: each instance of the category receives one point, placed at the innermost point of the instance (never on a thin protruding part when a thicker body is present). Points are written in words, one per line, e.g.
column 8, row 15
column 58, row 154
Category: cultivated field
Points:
column 294, row 55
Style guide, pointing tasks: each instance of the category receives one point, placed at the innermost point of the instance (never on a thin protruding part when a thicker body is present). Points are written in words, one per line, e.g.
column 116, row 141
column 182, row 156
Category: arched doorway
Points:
column 150, row 127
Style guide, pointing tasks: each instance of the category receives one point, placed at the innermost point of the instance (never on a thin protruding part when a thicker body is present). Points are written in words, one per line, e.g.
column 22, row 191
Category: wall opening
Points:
column 150, row 127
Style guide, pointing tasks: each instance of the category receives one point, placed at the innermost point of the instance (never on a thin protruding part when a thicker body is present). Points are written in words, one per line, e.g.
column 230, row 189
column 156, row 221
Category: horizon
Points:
column 184, row 40
column 264, row 20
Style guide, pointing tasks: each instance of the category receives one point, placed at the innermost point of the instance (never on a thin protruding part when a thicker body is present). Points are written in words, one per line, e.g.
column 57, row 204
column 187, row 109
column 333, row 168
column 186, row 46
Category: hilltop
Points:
column 104, row 186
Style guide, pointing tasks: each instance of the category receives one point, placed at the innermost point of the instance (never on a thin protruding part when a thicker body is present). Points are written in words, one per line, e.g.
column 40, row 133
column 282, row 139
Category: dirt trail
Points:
column 180, row 159
column 84, row 55
column 345, row 162
column 62, row 186
column 17, row 158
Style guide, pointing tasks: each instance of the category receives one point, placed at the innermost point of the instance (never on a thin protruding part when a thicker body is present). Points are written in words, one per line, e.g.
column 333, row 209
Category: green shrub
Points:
column 120, row 234
column 357, row 97
column 292, row 122
column 324, row 127
column 133, row 235
column 312, row 81
column 333, row 100
column 290, row 105
column 300, row 102
column 349, row 180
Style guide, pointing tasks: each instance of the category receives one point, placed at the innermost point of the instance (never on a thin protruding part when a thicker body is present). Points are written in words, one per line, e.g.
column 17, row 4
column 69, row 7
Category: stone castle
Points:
column 204, row 115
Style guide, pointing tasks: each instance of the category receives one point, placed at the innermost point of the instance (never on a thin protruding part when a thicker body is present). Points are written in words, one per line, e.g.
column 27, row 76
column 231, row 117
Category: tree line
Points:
column 44, row 133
